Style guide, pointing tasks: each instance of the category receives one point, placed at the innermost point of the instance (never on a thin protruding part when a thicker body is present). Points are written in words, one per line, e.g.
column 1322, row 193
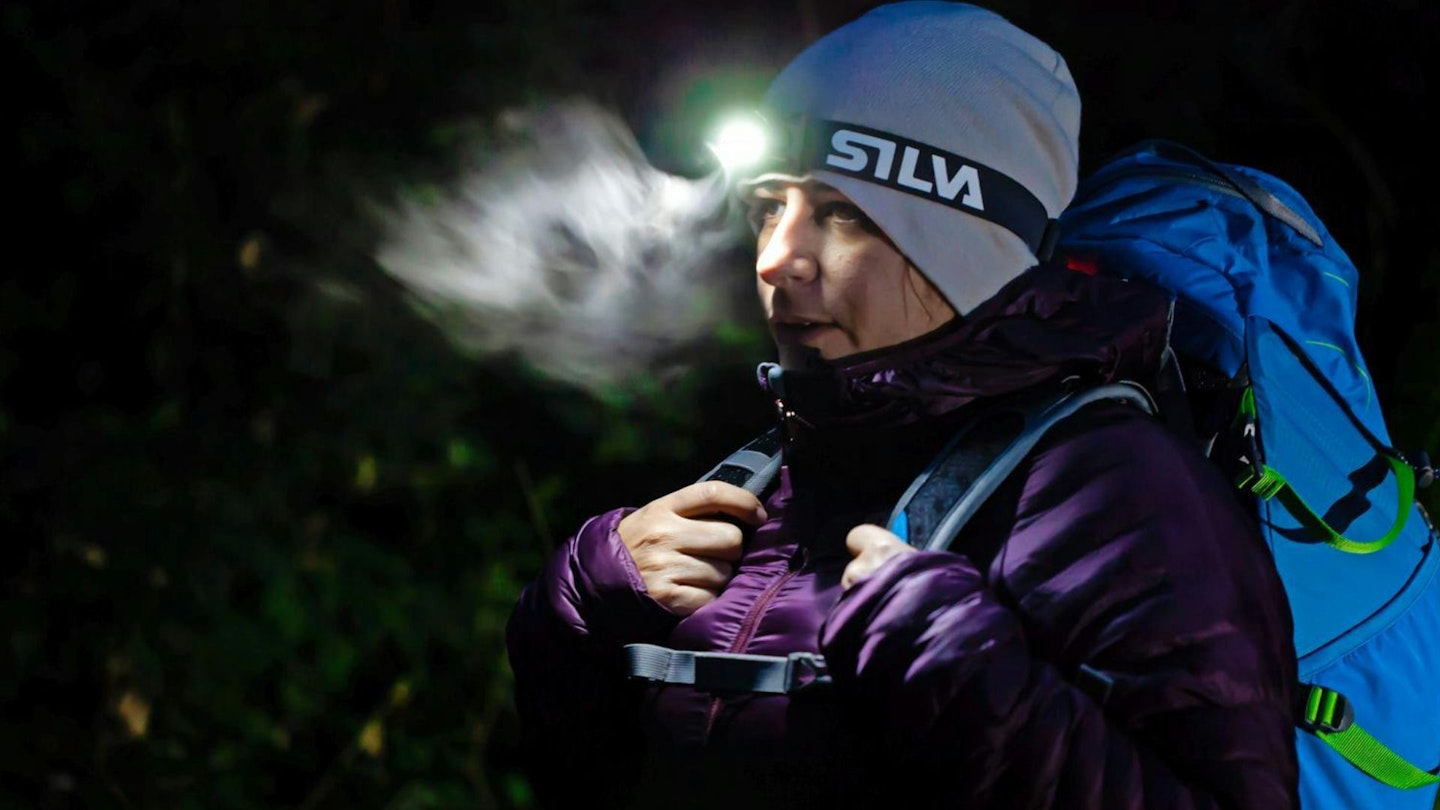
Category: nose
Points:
column 789, row 251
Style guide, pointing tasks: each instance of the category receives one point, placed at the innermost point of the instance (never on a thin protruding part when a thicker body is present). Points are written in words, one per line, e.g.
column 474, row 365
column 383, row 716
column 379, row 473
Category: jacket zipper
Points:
column 742, row 639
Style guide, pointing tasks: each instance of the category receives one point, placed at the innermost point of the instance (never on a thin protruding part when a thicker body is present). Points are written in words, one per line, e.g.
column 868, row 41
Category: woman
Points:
column 1110, row 631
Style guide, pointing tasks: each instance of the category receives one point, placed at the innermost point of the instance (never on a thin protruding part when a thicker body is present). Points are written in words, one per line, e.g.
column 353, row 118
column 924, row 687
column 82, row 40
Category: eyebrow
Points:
column 775, row 184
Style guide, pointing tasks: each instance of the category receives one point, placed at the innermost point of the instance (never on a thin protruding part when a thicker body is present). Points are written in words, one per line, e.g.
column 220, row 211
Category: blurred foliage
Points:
column 262, row 527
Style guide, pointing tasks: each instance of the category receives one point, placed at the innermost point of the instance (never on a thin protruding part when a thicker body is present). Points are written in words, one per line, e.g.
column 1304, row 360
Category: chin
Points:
column 797, row 357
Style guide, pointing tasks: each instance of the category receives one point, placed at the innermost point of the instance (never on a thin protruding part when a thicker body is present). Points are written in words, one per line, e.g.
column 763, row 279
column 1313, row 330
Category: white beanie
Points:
column 939, row 120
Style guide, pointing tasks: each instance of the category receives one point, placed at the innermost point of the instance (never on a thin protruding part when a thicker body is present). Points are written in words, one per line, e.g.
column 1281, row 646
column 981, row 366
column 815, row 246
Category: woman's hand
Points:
column 871, row 546
column 685, row 544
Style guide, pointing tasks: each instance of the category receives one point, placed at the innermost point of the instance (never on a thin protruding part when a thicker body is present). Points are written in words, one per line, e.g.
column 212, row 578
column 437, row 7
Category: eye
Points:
column 762, row 211
column 842, row 213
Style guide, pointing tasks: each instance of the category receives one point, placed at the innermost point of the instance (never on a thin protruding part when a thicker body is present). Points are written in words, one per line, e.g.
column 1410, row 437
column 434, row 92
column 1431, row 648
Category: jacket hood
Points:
column 1047, row 325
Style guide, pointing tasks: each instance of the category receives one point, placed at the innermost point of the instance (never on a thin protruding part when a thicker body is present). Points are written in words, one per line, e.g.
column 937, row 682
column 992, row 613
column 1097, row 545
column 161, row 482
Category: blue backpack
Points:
column 1264, row 318
column 1271, row 380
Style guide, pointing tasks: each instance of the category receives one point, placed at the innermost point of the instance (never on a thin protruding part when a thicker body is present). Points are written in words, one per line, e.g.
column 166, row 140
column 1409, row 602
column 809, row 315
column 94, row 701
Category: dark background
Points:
column 260, row 537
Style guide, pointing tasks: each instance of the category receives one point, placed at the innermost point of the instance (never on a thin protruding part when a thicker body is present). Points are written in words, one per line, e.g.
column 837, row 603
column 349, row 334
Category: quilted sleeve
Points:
column 1129, row 647
column 565, row 637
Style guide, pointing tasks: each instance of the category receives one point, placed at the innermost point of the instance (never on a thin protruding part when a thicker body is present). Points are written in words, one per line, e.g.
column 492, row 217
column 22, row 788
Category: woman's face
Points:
column 830, row 280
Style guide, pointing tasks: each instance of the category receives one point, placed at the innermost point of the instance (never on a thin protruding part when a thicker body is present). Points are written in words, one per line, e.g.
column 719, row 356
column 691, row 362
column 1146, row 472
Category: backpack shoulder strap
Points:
column 1262, row 198
column 752, row 467
column 928, row 516
column 983, row 453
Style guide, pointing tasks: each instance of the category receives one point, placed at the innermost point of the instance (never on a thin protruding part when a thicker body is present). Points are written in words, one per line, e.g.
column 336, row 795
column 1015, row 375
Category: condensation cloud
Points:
column 568, row 248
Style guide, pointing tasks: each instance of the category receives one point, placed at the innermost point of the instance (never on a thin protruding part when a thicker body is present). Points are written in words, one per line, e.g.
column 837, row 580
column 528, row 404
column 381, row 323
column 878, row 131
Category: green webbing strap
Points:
column 1271, row 484
column 1266, row 482
column 1328, row 716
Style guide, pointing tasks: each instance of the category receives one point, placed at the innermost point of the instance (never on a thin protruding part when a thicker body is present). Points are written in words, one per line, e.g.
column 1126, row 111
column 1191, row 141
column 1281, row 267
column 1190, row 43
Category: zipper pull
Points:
column 800, row 557
column 790, row 422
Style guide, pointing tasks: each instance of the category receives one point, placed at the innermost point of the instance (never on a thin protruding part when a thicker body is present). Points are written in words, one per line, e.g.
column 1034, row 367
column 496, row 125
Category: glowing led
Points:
column 740, row 143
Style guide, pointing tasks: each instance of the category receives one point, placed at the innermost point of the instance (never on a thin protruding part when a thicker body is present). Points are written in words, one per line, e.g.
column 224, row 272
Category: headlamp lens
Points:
column 740, row 143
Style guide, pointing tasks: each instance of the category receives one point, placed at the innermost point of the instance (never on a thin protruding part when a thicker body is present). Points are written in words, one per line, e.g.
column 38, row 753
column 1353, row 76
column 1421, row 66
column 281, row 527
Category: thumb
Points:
column 867, row 536
column 871, row 546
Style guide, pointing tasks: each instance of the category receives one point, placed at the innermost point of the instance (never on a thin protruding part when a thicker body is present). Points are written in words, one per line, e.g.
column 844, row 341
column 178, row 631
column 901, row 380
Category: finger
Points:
column 863, row 566
column 702, row 572
column 872, row 547
column 867, row 536
column 858, row 569
column 683, row 600
column 709, row 538
column 717, row 497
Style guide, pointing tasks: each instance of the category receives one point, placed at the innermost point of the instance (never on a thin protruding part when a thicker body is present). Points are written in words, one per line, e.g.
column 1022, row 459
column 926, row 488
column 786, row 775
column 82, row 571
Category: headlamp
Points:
column 741, row 143
column 751, row 144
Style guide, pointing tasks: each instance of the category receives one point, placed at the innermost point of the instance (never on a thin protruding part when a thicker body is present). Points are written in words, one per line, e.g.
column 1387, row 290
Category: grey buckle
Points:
column 803, row 670
column 727, row 672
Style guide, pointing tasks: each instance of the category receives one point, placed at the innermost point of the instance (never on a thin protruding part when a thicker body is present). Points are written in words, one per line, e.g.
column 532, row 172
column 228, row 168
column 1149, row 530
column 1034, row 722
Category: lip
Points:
column 792, row 331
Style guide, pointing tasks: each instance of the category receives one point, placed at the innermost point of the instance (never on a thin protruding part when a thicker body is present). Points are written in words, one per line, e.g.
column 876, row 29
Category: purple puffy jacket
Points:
column 958, row 679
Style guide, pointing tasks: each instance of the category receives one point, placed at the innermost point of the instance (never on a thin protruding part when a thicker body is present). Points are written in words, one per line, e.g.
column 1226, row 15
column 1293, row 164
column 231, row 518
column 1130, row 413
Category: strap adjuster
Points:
column 727, row 672
column 804, row 670
column 1326, row 711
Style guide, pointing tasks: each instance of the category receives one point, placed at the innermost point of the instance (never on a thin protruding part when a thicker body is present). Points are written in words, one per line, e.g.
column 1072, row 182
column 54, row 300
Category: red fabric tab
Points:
column 1082, row 265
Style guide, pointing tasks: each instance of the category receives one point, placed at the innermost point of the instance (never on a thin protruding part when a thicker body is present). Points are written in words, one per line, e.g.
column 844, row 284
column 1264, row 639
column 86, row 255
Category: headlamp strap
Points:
column 918, row 169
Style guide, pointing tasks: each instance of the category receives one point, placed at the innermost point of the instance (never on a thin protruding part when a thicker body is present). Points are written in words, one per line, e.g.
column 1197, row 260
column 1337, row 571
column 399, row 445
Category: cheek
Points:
column 863, row 293
column 849, row 289
column 875, row 287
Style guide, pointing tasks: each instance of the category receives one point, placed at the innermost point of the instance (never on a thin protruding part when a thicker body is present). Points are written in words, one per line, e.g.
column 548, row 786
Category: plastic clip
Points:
column 1326, row 711
column 804, row 670
column 1424, row 470
column 1257, row 466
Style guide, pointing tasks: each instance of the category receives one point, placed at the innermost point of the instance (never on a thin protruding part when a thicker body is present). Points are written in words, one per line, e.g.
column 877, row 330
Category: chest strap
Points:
column 727, row 672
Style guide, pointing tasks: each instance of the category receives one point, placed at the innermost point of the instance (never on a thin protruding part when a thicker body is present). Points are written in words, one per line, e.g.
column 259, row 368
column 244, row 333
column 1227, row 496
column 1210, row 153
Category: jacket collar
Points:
column 1046, row 326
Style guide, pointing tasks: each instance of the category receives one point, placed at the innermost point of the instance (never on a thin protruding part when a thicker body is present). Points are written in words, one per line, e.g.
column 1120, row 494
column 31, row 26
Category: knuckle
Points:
column 689, row 602
column 731, row 552
column 712, row 490
column 665, row 592
column 658, row 535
